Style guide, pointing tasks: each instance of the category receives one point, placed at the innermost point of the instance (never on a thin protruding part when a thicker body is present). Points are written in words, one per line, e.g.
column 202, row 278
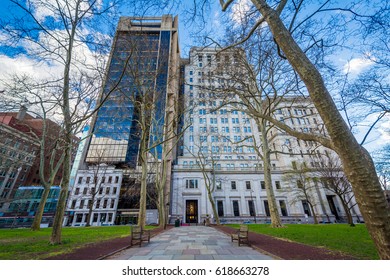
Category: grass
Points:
column 354, row 241
column 24, row 244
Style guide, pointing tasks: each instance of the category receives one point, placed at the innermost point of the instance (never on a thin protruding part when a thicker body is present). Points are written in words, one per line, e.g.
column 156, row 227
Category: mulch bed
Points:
column 275, row 247
column 288, row 250
column 96, row 251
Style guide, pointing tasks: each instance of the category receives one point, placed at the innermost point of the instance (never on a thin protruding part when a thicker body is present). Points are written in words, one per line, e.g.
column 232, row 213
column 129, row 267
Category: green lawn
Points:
column 24, row 244
column 354, row 241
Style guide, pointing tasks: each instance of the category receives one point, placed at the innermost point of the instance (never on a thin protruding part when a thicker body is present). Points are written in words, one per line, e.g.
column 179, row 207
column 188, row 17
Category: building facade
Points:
column 219, row 158
column 139, row 99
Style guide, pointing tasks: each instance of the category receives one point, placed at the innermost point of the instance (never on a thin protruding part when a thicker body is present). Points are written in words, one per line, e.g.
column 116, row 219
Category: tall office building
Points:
column 141, row 79
column 140, row 89
column 219, row 147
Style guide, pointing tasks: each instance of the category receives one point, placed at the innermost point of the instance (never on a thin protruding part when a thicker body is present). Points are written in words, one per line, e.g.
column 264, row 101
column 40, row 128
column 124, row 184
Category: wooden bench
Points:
column 241, row 235
column 138, row 235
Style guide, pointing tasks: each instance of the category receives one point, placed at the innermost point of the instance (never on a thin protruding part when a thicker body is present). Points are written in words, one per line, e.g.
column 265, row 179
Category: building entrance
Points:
column 191, row 211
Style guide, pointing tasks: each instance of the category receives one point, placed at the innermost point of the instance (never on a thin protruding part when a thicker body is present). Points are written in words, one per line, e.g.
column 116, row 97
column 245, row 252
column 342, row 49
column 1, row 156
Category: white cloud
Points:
column 49, row 8
column 239, row 10
column 356, row 65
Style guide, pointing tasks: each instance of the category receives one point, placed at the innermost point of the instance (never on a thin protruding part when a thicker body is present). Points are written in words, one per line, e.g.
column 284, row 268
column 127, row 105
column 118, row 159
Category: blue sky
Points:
column 17, row 60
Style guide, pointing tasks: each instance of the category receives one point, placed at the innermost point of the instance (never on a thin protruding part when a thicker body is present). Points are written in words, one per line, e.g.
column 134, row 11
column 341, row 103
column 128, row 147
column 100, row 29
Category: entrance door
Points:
column 332, row 206
column 191, row 211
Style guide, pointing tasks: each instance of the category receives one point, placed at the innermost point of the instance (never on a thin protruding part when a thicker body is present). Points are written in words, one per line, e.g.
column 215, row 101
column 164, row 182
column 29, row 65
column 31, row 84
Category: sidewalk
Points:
column 190, row 243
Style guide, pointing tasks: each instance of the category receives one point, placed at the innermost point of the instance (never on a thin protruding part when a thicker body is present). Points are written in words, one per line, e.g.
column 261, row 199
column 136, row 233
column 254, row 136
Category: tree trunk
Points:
column 36, row 225
column 314, row 212
column 347, row 211
column 275, row 217
column 215, row 213
column 358, row 165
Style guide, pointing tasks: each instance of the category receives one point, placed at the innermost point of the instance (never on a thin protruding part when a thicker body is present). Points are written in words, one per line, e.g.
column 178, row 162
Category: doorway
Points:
column 191, row 211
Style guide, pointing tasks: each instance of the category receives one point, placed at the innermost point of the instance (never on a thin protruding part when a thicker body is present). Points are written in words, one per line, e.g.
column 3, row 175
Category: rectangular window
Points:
column 97, row 203
column 105, row 203
column 306, row 208
column 77, row 191
column 103, row 180
column 220, row 208
column 81, row 204
column 109, row 217
column 95, row 217
column 192, row 184
column 266, row 208
column 277, row 185
column 107, row 190
column 262, row 185
column 236, row 209
column 112, row 203
column 80, row 180
column 283, row 207
column 85, row 191
column 114, row 191
column 116, row 179
column 73, row 204
column 88, row 179
column 110, row 179
column 251, row 206
column 233, row 184
column 248, row 185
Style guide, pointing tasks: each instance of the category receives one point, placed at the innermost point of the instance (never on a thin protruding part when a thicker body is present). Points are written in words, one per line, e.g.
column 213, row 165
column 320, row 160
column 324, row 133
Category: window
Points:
column 98, row 203
column 103, row 180
column 95, row 217
column 88, row 179
column 236, row 209
column 105, row 203
column 233, row 184
column 109, row 180
column 77, row 191
column 81, row 204
column 306, row 208
column 116, row 179
column 251, row 207
column 266, row 208
column 262, row 185
column 109, row 217
column 79, row 218
column 283, row 207
column 277, row 185
column 107, row 190
column 100, row 190
column 248, row 185
column 85, row 190
column 73, row 204
column 80, row 180
column 192, row 184
column 114, row 191
column 219, row 185
column 112, row 203
column 220, row 208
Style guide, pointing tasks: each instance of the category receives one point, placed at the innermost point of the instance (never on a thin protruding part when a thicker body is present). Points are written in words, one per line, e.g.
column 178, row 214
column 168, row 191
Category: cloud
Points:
column 50, row 8
column 239, row 11
column 356, row 65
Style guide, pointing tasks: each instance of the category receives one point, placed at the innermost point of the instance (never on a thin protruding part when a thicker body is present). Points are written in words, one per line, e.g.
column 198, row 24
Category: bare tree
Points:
column 358, row 165
column 303, row 188
column 59, row 40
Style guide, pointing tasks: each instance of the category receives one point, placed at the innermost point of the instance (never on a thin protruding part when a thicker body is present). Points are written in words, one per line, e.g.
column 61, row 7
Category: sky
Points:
column 20, row 61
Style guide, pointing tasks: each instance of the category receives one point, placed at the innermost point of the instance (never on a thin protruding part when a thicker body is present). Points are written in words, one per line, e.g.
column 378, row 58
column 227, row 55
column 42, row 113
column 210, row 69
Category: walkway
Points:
column 190, row 243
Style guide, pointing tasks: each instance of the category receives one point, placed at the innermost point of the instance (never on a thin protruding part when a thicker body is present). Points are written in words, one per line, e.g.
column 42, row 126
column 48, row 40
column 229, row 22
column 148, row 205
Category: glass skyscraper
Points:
column 141, row 81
